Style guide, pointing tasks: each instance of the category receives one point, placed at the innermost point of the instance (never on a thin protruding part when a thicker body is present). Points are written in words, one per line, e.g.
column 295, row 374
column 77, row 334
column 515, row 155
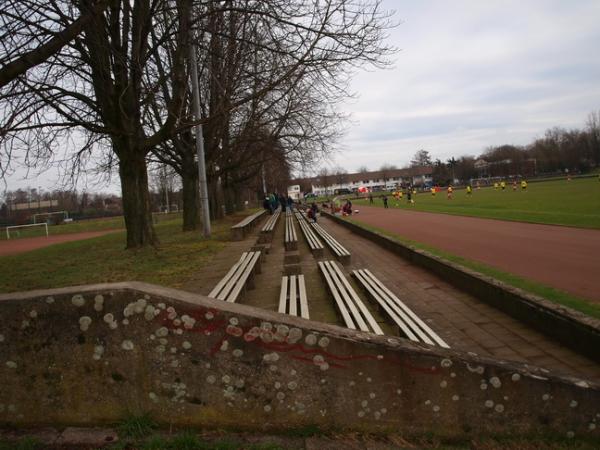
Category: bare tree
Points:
column 121, row 87
column 18, row 53
column 97, row 88
column 421, row 159
column 593, row 135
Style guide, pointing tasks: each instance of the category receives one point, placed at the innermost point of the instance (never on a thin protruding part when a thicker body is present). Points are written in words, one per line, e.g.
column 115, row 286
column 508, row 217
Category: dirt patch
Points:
column 17, row 246
column 562, row 257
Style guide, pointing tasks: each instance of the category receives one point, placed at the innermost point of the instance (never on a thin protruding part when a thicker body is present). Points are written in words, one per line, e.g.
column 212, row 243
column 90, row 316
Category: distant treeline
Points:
column 560, row 150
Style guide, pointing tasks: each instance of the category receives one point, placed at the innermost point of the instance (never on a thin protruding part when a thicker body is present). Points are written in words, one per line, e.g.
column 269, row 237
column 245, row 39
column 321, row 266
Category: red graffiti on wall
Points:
column 209, row 321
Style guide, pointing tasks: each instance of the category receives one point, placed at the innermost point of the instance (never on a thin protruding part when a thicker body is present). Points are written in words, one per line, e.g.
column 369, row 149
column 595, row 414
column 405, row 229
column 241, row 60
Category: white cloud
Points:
column 473, row 74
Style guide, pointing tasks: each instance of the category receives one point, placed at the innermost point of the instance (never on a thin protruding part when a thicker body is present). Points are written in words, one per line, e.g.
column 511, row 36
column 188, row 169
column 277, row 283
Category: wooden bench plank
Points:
column 239, row 230
column 303, row 299
column 291, row 239
column 336, row 296
column 399, row 312
column 241, row 283
column 292, row 296
column 315, row 245
column 269, row 226
column 404, row 328
column 418, row 326
column 231, row 285
column 366, row 315
column 293, row 301
column 221, row 284
column 341, row 253
column 283, row 295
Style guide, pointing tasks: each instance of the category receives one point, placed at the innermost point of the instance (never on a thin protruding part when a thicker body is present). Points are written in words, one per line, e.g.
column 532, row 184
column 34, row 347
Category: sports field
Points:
column 561, row 202
column 104, row 259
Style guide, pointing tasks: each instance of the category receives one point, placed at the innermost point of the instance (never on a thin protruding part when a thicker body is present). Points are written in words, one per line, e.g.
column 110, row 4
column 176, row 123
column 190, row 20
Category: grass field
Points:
column 574, row 203
column 102, row 224
column 105, row 259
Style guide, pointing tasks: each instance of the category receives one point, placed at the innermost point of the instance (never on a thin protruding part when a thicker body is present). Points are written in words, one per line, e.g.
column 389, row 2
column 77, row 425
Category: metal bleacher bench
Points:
column 240, row 229
column 238, row 277
column 266, row 233
column 402, row 316
column 353, row 311
column 340, row 252
column 291, row 239
column 292, row 298
column 315, row 245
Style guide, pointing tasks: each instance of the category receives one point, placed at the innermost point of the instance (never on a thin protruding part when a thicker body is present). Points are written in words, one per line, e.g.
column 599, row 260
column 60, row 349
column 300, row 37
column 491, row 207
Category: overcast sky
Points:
column 470, row 74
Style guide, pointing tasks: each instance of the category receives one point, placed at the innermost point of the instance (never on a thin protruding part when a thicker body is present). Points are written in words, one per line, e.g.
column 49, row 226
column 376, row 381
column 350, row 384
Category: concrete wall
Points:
column 93, row 354
column 573, row 329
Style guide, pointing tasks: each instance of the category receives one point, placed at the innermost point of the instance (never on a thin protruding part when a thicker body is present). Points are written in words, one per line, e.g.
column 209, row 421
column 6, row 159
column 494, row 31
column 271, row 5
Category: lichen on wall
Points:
column 95, row 354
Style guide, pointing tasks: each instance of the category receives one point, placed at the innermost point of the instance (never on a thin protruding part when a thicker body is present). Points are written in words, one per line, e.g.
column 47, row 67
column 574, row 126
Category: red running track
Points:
column 16, row 246
column 562, row 257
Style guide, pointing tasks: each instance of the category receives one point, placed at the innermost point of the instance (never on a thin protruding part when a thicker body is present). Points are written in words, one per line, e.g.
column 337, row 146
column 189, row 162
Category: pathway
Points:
column 460, row 319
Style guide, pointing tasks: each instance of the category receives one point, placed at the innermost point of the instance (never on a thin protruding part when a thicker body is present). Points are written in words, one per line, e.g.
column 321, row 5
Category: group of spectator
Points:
column 273, row 201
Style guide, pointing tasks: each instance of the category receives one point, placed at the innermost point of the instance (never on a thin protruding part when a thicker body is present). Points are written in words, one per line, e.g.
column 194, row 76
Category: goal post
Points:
column 64, row 213
column 43, row 224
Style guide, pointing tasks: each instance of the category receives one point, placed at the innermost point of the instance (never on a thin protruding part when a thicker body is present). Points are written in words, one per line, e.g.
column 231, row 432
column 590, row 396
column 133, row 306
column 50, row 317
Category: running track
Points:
column 16, row 246
column 562, row 257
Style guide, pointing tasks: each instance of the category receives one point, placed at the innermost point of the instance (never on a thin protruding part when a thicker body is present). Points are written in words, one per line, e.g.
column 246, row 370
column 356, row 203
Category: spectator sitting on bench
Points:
column 347, row 209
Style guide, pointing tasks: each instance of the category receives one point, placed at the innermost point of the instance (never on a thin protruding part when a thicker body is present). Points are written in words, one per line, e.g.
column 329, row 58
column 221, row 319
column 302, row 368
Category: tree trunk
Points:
column 136, row 200
column 191, row 199
column 214, row 199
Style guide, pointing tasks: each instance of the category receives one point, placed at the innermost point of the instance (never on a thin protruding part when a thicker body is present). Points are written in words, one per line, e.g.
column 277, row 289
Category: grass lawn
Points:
column 79, row 226
column 105, row 259
column 549, row 293
column 574, row 203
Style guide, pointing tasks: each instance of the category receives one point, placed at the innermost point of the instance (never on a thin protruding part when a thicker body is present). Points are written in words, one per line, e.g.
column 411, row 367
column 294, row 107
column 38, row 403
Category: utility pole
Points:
column 166, row 188
column 199, row 143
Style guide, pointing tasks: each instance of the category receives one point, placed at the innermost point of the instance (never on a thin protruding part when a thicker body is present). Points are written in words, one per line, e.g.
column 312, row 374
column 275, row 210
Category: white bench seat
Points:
column 239, row 230
column 292, row 297
column 314, row 243
column 338, row 249
column 401, row 315
column 238, row 278
column 354, row 313
column 266, row 233
column 291, row 238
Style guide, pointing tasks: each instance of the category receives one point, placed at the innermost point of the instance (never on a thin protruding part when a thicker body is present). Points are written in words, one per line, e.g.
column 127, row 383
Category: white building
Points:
column 294, row 191
column 373, row 181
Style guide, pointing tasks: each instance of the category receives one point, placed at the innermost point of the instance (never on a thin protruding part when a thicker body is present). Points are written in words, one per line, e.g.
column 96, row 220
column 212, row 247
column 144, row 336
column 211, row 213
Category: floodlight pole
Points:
column 199, row 143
